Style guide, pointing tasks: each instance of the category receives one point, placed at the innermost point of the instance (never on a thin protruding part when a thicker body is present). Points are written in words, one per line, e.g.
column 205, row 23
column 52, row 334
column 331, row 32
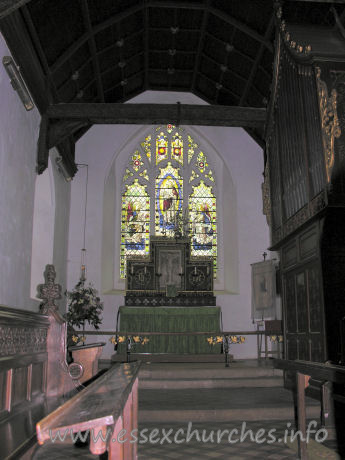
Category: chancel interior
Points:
column 172, row 221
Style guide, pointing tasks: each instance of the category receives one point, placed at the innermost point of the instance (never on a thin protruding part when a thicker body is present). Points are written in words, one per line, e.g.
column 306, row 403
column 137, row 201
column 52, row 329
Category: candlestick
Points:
column 132, row 269
column 145, row 270
column 194, row 269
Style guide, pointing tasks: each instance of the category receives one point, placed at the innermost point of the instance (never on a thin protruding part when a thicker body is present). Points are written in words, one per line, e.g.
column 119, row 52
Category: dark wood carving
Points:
column 170, row 266
column 303, row 296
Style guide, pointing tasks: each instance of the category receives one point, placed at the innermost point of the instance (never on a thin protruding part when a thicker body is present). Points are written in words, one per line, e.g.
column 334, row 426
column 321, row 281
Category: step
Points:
column 180, row 384
column 223, row 415
column 199, row 371
column 171, row 358
column 221, row 404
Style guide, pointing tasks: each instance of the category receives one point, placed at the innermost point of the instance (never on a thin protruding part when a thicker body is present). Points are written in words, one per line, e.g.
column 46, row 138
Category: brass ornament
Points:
column 329, row 121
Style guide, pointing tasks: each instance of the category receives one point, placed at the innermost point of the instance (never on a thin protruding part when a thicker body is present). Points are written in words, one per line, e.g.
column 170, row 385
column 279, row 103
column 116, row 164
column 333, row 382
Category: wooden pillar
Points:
column 116, row 450
column 302, row 384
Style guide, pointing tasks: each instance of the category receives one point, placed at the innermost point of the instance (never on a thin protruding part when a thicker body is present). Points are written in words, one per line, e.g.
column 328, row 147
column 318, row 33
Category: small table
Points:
column 88, row 356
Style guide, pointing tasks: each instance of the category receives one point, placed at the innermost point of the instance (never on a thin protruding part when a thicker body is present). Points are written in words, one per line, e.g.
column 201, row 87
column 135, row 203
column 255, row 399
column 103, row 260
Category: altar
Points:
column 170, row 291
column 172, row 319
column 169, row 276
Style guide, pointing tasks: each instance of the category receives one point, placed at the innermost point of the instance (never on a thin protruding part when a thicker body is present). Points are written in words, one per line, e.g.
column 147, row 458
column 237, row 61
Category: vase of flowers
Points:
column 84, row 306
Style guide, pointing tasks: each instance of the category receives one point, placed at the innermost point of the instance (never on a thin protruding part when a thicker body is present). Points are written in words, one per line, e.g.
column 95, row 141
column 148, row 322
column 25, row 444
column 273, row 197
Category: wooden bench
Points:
column 107, row 410
column 26, row 392
column 304, row 371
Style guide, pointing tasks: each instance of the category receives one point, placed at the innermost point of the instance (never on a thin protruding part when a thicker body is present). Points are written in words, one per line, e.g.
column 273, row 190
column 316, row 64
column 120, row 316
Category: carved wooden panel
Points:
column 290, row 304
column 19, row 385
column 3, row 378
column 303, row 311
column 23, row 351
column 37, row 379
column 301, row 301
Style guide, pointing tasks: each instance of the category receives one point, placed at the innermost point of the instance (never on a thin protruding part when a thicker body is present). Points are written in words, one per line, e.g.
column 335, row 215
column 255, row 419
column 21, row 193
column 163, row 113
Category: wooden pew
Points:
column 33, row 381
column 107, row 409
column 305, row 371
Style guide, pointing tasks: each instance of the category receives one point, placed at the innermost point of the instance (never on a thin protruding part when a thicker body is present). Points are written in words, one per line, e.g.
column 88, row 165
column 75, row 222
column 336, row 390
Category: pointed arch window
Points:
column 168, row 199
column 135, row 223
column 168, row 176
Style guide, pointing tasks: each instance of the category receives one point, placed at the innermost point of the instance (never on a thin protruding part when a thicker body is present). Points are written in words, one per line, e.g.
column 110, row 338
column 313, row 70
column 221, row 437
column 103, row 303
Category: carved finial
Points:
column 49, row 292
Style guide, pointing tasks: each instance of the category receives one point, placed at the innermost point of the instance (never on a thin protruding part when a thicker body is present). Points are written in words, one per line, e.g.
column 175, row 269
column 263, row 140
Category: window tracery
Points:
column 157, row 193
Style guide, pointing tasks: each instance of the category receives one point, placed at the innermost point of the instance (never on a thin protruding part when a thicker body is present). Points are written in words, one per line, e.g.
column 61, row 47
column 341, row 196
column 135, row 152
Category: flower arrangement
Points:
column 276, row 338
column 136, row 339
column 76, row 339
column 226, row 338
column 84, row 305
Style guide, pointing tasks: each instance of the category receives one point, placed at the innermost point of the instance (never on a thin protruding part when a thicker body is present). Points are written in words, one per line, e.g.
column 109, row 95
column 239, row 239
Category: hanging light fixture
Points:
column 17, row 82
column 83, row 249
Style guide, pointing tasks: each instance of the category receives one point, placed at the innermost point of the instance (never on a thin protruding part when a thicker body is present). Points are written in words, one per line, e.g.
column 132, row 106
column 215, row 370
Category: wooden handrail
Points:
column 108, row 404
column 319, row 371
column 174, row 333
column 304, row 371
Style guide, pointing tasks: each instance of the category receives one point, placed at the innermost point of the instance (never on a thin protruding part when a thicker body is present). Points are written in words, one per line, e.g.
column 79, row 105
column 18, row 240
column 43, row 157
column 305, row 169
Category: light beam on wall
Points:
column 17, row 82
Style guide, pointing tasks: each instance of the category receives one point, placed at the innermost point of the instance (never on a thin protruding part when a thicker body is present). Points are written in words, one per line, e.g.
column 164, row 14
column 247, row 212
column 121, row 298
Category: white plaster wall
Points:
column 18, row 137
column 244, row 159
column 43, row 226
column 18, row 148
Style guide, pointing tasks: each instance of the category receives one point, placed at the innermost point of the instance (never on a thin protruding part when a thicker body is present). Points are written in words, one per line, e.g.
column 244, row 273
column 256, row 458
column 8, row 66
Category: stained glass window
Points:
column 135, row 223
column 193, row 176
column 161, row 147
column 146, row 146
column 201, row 162
column 203, row 222
column 177, row 148
column 168, row 199
column 157, row 181
column 136, row 161
column 128, row 173
column 191, row 148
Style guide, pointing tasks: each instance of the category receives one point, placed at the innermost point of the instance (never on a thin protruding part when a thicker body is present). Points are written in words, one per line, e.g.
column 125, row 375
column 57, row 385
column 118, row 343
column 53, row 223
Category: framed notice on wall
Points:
column 264, row 290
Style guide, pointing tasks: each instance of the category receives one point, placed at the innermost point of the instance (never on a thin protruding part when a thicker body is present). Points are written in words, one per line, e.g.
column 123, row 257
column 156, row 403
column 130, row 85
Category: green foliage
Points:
column 84, row 305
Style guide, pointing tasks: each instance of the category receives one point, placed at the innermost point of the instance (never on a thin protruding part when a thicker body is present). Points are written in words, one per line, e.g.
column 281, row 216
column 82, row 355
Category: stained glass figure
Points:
column 191, row 148
column 135, row 223
column 201, row 162
column 128, row 173
column 203, row 222
column 168, row 199
column 170, row 128
column 161, row 147
column 136, row 161
column 146, row 146
column 177, row 148
column 193, row 176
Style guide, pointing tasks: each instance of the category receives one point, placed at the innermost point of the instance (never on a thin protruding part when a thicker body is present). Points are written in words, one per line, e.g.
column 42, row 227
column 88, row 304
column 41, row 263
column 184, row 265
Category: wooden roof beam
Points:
column 256, row 63
column 203, row 115
column 200, row 43
column 8, row 6
column 93, row 49
column 36, row 41
column 146, row 47
column 84, row 38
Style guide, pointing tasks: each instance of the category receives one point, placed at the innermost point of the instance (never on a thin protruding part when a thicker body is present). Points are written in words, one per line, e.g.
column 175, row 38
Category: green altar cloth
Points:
column 172, row 319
